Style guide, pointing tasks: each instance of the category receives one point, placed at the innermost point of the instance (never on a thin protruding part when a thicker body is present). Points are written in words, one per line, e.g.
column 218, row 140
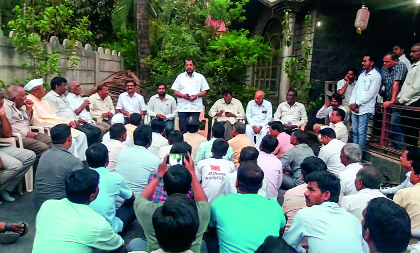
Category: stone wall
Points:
column 94, row 66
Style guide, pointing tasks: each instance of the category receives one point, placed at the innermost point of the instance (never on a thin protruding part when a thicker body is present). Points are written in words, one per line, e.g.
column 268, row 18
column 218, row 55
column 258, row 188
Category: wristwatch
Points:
column 158, row 176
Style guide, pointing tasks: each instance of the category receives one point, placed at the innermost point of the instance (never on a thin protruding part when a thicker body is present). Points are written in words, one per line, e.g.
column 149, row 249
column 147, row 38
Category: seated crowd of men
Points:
column 98, row 171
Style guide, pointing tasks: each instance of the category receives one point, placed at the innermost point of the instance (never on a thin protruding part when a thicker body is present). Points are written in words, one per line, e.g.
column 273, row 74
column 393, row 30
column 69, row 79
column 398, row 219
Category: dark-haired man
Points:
column 330, row 152
column 205, row 149
column 386, row 227
column 278, row 131
column 233, row 215
column 130, row 101
column 239, row 141
column 70, row 225
column 134, row 170
column 55, row 165
column 399, row 50
column 191, row 136
column 133, row 122
column 363, row 100
column 158, row 133
column 291, row 113
column 336, row 101
column 112, row 185
column 118, row 134
column 177, row 180
column 189, row 87
column 62, row 108
column 345, row 86
column 270, row 165
column 211, row 171
column 294, row 157
column 101, row 106
column 327, row 227
column 162, row 106
column 228, row 111
column 336, row 123
column 367, row 183
column 174, row 137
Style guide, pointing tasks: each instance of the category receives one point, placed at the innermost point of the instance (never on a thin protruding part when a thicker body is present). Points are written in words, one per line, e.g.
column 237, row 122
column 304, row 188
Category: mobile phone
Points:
column 176, row 159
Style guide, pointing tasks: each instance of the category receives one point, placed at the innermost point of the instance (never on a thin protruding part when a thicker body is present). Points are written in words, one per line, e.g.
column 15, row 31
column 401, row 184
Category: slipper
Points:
column 9, row 227
column 25, row 230
column 8, row 237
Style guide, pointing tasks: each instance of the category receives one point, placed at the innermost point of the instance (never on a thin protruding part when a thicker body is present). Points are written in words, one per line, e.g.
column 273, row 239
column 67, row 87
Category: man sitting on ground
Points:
column 69, row 225
column 294, row 199
column 55, row 166
column 290, row 113
column 118, row 135
column 368, row 181
column 328, row 228
column 386, row 226
column 174, row 137
column 158, row 139
column 205, row 149
column 258, row 114
column 330, row 152
column 336, row 101
column 191, row 136
column 274, row 244
column 293, row 158
column 177, row 180
column 270, row 165
column 350, row 156
column 111, row 185
column 336, row 123
column 239, row 141
column 134, row 170
column 227, row 111
column 234, row 215
column 134, row 122
column 211, row 171
column 119, row 119
column 101, row 106
column 278, row 131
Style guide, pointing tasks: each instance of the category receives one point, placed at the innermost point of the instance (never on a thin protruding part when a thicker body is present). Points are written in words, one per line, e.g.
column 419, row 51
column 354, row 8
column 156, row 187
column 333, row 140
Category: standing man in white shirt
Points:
column 228, row 111
column 80, row 105
column 163, row 106
column 350, row 156
column 363, row 100
column 291, row 113
column 330, row 152
column 368, row 182
column 345, row 86
column 189, row 87
column 131, row 102
column 258, row 113
column 399, row 50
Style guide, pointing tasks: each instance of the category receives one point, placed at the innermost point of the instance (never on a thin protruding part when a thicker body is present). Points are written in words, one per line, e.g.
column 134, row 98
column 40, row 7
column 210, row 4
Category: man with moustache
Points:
column 345, row 86
column 131, row 102
column 163, row 106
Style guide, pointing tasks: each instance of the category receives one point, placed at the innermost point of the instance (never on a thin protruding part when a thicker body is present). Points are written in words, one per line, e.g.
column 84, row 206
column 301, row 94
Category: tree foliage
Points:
column 222, row 58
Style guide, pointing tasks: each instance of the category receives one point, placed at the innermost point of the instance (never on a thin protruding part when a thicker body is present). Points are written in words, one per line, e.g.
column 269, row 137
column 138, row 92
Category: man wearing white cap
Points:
column 44, row 116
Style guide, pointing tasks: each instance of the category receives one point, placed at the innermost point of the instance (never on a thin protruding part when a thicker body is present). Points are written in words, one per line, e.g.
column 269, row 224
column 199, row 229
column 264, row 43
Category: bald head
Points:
column 75, row 88
column 16, row 94
column 259, row 97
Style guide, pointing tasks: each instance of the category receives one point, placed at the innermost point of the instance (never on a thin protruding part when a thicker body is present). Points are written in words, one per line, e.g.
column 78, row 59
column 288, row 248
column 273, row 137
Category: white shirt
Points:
column 327, row 111
column 366, row 91
column 158, row 141
column 228, row 185
column 259, row 115
column 167, row 106
column 349, row 90
column 404, row 60
column 75, row 102
column 133, row 104
column 191, row 86
column 406, row 184
column 114, row 147
column 296, row 114
column 347, row 178
column 356, row 203
column 128, row 142
column 210, row 172
column 340, row 131
column 330, row 154
column 163, row 152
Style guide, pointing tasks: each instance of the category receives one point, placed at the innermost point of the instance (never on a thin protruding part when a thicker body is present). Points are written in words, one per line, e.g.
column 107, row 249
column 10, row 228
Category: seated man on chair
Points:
column 163, row 106
column 101, row 106
column 291, row 113
column 131, row 102
column 227, row 111
column 258, row 114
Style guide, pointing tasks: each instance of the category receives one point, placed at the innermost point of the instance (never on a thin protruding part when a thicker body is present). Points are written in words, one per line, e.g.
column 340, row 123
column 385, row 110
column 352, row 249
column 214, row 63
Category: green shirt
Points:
column 144, row 211
column 66, row 227
column 204, row 151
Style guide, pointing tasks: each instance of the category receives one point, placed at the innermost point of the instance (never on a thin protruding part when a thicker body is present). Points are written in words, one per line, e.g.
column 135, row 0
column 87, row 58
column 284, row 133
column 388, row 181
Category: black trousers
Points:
column 93, row 133
column 183, row 118
column 127, row 216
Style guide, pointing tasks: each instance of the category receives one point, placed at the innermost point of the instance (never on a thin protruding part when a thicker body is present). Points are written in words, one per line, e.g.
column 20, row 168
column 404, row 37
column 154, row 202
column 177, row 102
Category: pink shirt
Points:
column 273, row 172
column 284, row 145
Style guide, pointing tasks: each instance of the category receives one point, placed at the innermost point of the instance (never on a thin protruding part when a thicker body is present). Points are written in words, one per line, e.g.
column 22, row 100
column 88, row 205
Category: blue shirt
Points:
column 204, row 151
column 136, row 164
column 328, row 228
column 111, row 185
column 243, row 221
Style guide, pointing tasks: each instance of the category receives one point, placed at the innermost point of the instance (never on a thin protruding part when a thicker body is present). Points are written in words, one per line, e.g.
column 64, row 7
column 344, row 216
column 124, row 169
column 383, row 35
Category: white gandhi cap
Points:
column 33, row 83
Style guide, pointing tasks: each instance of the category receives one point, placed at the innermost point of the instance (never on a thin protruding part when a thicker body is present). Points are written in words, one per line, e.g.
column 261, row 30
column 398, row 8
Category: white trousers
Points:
column 79, row 146
column 258, row 137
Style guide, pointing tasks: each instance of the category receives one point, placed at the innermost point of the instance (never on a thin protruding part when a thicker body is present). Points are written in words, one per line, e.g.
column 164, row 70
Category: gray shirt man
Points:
column 294, row 157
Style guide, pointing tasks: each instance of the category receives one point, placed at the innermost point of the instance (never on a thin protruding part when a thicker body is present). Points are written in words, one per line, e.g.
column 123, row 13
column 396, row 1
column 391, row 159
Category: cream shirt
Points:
column 60, row 105
column 296, row 114
column 410, row 91
column 98, row 106
column 235, row 107
column 238, row 143
column 294, row 200
column 167, row 106
column 409, row 199
column 340, row 131
column 194, row 139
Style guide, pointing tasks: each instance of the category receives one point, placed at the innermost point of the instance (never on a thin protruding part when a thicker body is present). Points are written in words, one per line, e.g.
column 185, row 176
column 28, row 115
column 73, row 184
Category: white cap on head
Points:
column 33, row 83
column 117, row 118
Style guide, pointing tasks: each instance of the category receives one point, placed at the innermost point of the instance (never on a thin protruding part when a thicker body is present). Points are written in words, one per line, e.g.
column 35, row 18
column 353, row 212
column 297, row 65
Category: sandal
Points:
column 8, row 236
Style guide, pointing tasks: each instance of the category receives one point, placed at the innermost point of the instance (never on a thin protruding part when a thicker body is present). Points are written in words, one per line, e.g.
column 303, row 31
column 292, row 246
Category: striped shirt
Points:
column 396, row 73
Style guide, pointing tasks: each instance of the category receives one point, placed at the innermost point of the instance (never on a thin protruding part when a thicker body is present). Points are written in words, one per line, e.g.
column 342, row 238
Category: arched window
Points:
column 267, row 73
